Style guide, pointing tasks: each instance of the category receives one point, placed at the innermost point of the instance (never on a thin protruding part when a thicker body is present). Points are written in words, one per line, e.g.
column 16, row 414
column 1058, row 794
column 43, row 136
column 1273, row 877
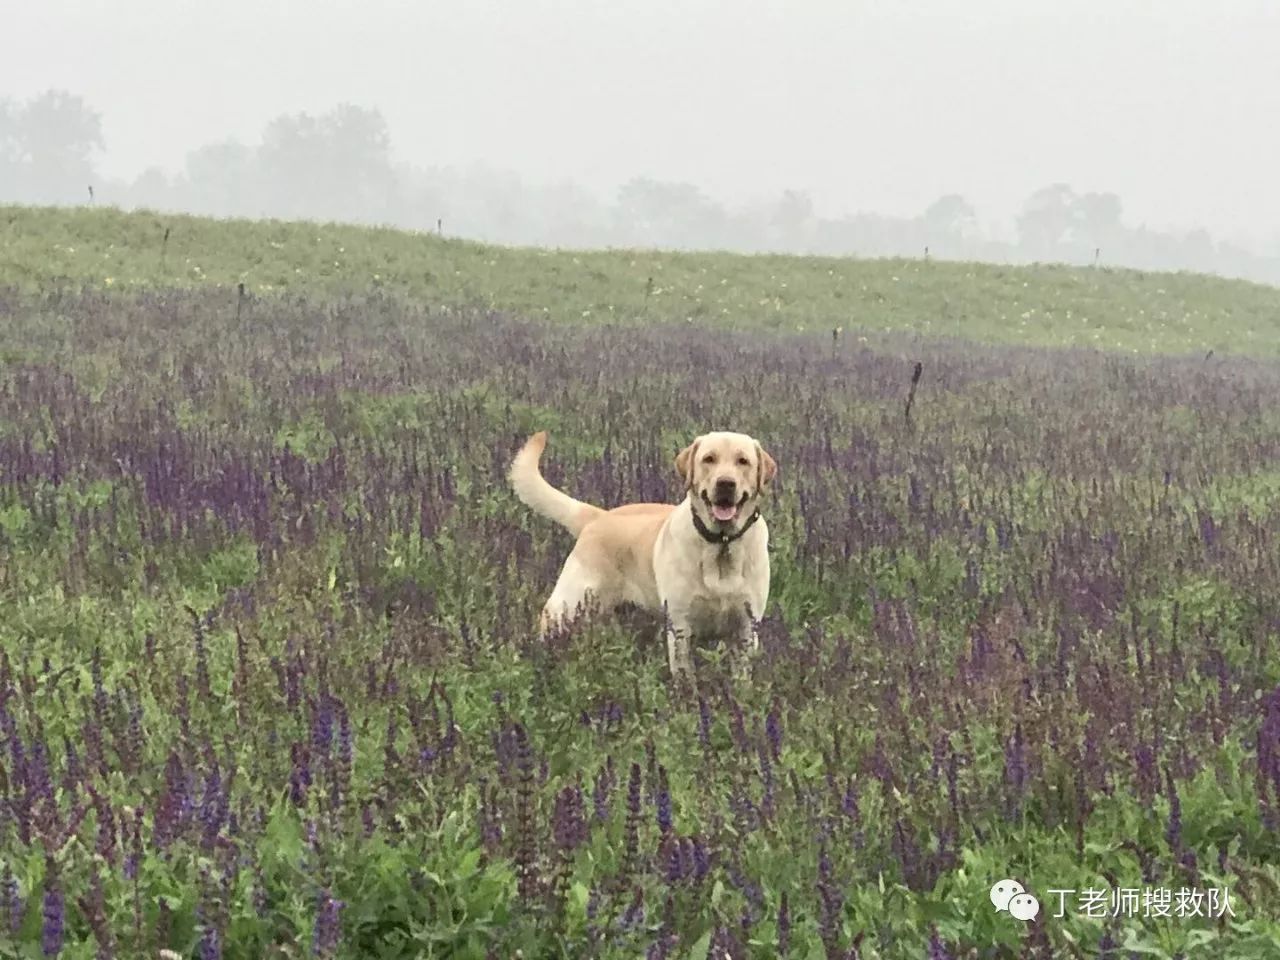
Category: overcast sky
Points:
column 868, row 105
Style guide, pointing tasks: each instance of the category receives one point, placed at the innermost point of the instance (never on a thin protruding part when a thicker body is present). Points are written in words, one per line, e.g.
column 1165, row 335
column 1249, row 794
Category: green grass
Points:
column 1043, row 305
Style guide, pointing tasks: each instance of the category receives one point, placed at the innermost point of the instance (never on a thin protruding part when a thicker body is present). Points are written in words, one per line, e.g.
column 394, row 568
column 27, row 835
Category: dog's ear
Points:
column 685, row 460
column 766, row 468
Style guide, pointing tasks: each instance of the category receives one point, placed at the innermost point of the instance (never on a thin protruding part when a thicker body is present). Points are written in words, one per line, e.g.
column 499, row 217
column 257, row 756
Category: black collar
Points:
column 723, row 539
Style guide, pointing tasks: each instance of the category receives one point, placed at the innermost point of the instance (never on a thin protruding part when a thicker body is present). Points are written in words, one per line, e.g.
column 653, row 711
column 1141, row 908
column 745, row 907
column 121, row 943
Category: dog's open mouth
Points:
column 724, row 511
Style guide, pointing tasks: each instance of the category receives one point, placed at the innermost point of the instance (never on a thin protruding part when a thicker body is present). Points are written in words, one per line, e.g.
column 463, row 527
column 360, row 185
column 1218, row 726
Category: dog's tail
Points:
column 532, row 488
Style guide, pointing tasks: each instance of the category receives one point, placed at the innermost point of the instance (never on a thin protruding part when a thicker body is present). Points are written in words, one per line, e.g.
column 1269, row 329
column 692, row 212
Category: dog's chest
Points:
column 718, row 615
column 721, row 593
column 722, row 575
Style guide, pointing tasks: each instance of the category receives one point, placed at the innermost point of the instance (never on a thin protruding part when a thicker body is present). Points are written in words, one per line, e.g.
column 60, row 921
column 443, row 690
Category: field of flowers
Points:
column 269, row 686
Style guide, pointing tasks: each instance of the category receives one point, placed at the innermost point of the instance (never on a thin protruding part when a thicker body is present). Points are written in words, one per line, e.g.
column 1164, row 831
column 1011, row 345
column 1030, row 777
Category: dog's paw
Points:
column 684, row 684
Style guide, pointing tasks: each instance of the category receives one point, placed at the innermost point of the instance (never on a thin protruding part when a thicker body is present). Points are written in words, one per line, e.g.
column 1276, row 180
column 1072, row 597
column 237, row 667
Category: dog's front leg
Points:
column 679, row 630
column 747, row 644
column 744, row 650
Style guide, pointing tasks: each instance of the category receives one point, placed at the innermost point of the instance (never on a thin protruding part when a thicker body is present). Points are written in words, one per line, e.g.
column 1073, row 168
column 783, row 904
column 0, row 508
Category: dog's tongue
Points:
column 724, row 514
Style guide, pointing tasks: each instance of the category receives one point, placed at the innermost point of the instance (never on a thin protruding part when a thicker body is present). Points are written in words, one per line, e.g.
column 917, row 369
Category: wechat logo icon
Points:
column 1012, row 897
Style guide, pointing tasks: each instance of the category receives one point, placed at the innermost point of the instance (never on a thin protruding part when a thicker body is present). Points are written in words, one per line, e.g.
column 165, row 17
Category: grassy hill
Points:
column 1042, row 305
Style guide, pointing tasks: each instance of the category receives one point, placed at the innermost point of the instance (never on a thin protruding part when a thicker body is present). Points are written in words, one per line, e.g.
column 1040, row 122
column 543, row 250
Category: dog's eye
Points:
column 744, row 462
column 709, row 458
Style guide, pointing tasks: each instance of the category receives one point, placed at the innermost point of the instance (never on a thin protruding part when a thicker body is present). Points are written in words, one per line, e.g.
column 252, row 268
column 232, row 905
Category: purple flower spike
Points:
column 1015, row 768
column 830, row 904
column 773, row 733
column 210, row 947
column 346, row 749
column 203, row 687
column 300, row 775
column 1173, row 830
column 52, row 911
column 633, row 917
column 328, row 929
column 1268, row 747
column 937, row 950
column 663, row 801
column 1107, row 946
column 569, row 824
column 603, row 788
column 701, row 860
column 632, row 829
column 13, row 905
column 704, row 723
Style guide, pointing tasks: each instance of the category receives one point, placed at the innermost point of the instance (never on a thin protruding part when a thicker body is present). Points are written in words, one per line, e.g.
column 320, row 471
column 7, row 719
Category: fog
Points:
column 1116, row 131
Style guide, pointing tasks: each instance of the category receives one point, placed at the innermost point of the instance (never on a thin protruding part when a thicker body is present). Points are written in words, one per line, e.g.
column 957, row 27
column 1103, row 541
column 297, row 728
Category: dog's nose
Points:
column 726, row 485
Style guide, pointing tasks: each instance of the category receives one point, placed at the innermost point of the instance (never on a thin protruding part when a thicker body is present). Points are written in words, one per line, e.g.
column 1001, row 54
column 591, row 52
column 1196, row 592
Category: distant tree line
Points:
column 338, row 166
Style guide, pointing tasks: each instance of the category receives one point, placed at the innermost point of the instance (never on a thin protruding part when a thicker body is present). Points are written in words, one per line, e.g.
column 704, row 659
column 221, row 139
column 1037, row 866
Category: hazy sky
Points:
column 881, row 106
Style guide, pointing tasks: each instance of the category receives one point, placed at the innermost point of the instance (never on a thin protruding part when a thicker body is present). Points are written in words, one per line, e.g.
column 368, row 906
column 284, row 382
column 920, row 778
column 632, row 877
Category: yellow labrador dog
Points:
column 705, row 561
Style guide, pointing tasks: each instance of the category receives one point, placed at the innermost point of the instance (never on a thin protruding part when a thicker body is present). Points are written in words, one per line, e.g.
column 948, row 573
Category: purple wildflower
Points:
column 175, row 802
column 701, row 859
column 603, row 787
column 773, row 733
column 704, row 723
column 94, row 909
column 674, row 861
column 132, row 743
column 390, row 757
column 213, row 806
column 526, row 849
column 202, row 660
column 633, row 916
column 849, row 802
column 40, row 786
column 210, row 946
column 299, row 774
column 106, row 842
column 490, row 817
column 663, row 801
column 1107, row 946
column 661, row 948
column 134, row 858
column 1173, row 830
column 953, row 791
column 72, row 774
column 328, row 928
column 569, row 822
column 346, row 750
column 321, row 728
column 1268, row 749
column 52, row 912
column 937, row 949
column 830, row 904
column 632, row 829
column 766, row 777
column 13, row 905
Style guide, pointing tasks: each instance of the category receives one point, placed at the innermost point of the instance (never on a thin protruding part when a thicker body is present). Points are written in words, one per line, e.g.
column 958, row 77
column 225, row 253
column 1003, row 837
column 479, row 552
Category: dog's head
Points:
column 725, row 473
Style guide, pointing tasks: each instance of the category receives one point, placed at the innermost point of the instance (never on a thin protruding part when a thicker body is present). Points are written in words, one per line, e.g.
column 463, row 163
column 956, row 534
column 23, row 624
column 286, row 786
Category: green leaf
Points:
column 701, row 947
column 579, row 894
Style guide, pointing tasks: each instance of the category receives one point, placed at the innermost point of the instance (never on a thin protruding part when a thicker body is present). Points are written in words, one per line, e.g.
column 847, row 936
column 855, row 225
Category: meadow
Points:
column 269, row 684
column 1046, row 305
